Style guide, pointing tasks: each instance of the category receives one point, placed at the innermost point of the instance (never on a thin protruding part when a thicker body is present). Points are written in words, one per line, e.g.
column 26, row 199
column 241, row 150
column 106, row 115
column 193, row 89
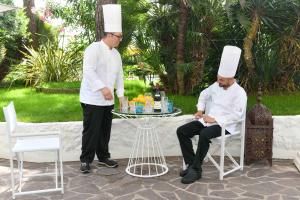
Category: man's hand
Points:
column 198, row 114
column 106, row 93
column 208, row 119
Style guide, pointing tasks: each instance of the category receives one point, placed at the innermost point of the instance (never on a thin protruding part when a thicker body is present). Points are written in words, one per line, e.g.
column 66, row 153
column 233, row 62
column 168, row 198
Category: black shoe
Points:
column 108, row 163
column 85, row 168
column 182, row 172
column 192, row 176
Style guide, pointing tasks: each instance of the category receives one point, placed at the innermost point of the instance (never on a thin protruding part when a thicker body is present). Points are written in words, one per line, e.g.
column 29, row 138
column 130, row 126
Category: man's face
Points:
column 223, row 82
column 116, row 38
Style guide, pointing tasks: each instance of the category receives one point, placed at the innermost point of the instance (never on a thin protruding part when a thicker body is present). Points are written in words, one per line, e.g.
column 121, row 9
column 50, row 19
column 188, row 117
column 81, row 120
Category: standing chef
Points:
column 227, row 103
column 102, row 71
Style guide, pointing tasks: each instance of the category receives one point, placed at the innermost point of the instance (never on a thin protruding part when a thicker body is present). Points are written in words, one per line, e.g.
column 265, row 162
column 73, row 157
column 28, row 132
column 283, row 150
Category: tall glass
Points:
column 148, row 103
column 132, row 106
column 162, row 94
column 164, row 104
column 124, row 104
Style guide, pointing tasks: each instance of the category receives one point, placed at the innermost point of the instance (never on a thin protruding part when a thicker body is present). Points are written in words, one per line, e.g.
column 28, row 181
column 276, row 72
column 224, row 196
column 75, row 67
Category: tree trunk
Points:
column 248, row 43
column 99, row 17
column 180, row 45
column 197, row 74
column 32, row 27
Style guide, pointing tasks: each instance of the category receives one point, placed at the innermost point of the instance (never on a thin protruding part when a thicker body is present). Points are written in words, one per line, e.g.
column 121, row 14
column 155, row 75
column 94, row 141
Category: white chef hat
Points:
column 112, row 18
column 229, row 61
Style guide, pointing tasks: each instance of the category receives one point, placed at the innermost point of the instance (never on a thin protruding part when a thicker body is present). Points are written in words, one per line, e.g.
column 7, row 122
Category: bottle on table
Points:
column 157, row 101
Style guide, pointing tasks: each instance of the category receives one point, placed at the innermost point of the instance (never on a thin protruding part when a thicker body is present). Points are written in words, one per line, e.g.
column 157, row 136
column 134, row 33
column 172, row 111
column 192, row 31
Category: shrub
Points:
column 49, row 63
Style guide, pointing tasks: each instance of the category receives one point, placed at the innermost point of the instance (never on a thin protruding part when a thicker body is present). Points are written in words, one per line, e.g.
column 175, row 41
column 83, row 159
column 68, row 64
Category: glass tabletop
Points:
column 176, row 111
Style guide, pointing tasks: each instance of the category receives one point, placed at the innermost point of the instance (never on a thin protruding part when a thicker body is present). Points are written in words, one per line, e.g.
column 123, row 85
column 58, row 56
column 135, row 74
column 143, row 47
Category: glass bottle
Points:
column 157, row 101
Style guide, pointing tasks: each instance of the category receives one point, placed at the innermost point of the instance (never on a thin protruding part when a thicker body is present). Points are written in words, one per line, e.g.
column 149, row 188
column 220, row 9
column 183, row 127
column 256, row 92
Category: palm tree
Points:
column 257, row 16
column 32, row 25
column 99, row 17
column 205, row 16
column 288, row 45
column 182, row 28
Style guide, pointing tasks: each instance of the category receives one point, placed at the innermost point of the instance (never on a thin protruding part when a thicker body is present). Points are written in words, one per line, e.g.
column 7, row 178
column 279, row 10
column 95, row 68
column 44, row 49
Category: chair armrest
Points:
column 53, row 133
column 233, row 122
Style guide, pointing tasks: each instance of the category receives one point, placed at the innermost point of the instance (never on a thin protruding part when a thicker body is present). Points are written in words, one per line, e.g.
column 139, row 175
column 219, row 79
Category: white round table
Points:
column 146, row 158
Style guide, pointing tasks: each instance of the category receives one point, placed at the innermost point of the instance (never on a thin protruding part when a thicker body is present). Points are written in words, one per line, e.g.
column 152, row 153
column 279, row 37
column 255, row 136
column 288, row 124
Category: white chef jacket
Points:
column 223, row 105
column 102, row 67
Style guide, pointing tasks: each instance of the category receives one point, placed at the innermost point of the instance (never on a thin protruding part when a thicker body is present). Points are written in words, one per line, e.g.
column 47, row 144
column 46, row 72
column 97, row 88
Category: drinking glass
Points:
column 164, row 104
column 132, row 106
column 124, row 104
column 162, row 94
column 170, row 106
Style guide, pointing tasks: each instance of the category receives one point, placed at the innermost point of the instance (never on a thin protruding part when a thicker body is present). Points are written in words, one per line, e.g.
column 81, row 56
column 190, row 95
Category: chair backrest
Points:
column 10, row 118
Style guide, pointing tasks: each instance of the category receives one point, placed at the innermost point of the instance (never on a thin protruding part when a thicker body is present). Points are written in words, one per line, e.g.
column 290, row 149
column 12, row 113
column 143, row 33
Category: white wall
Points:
column 286, row 137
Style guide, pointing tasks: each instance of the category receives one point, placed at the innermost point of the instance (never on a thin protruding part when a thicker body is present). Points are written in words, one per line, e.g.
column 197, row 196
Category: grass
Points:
column 70, row 85
column 39, row 107
column 32, row 106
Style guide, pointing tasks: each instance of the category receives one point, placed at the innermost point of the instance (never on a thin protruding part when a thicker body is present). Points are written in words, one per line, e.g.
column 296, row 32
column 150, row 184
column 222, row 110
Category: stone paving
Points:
column 257, row 181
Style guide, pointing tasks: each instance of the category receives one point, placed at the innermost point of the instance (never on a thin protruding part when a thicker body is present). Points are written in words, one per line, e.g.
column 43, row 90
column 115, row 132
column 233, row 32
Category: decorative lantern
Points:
column 259, row 133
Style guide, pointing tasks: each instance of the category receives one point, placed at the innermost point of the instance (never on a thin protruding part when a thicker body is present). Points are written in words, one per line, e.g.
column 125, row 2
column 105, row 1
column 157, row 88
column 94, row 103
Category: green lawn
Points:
column 32, row 106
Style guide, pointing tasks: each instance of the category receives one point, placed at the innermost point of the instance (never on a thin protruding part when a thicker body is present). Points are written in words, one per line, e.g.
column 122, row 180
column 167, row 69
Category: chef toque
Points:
column 229, row 61
column 112, row 18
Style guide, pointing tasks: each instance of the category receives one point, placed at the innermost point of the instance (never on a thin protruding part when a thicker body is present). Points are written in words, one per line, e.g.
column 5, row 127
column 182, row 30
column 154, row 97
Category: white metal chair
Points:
column 221, row 145
column 21, row 143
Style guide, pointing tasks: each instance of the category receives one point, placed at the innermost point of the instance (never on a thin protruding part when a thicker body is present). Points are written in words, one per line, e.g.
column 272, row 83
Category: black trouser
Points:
column 189, row 130
column 97, row 122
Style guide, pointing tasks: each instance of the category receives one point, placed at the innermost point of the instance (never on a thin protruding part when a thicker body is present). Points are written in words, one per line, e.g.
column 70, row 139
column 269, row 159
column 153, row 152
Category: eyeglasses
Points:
column 118, row 36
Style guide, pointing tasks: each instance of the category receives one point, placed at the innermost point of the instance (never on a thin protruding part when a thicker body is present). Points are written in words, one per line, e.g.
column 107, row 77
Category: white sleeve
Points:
column 120, row 82
column 89, row 69
column 203, row 98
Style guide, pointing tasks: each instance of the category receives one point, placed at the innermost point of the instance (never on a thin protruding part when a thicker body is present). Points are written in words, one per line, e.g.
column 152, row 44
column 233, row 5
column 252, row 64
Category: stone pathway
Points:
column 257, row 181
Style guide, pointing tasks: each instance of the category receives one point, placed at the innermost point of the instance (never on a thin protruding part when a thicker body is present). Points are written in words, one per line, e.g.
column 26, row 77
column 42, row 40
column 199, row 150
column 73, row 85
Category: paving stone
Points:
column 162, row 186
column 252, row 195
column 169, row 195
column 87, row 189
column 223, row 194
column 285, row 197
column 266, row 179
column 263, row 188
column 288, row 182
column 216, row 186
column 126, row 189
column 198, row 189
column 82, row 180
column 107, row 171
column 67, row 194
column 102, row 196
column 79, row 197
column 34, row 185
column 236, row 190
column 186, row 195
column 243, row 180
column 274, row 197
column 290, row 174
column 125, row 197
column 149, row 194
column 290, row 192
column 229, row 185
column 177, row 184
column 259, row 173
column 212, row 198
column 257, row 181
